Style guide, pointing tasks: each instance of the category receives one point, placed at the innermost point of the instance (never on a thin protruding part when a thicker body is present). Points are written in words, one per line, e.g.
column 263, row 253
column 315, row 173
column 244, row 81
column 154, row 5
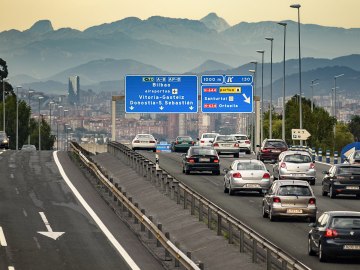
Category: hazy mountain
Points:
column 210, row 65
column 213, row 21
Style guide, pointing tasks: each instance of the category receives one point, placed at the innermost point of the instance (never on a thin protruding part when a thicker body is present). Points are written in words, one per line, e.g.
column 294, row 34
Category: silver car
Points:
column 295, row 165
column 226, row 144
column 246, row 175
column 289, row 198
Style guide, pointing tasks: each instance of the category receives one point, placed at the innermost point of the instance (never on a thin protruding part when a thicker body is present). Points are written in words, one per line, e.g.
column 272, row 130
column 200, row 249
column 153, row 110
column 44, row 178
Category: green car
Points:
column 182, row 144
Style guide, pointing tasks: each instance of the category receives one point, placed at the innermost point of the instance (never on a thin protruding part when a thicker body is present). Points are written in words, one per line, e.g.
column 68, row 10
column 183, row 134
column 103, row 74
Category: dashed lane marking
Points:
column 2, row 238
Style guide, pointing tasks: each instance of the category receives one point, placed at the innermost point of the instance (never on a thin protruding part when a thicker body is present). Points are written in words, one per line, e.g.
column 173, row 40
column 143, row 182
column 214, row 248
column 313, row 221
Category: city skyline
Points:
column 84, row 14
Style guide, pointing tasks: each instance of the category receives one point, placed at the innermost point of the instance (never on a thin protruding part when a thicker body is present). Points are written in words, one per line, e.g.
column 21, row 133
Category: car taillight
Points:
column 216, row 144
column 190, row 160
column 312, row 201
column 276, row 200
column 265, row 150
column 330, row 233
column 216, row 161
column 152, row 142
column 136, row 141
column 312, row 166
column 247, row 142
column 202, row 141
column 237, row 175
column 266, row 176
column 236, row 145
column 283, row 165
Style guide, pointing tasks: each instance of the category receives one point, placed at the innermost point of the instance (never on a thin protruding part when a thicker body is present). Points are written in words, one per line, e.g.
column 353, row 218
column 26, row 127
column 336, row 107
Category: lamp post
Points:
column 3, row 83
column 297, row 6
column 270, row 107
column 65, row 110
column 50, row 103
column 29, row 95
column 312, row 93
column 17, row 117
column 40, row 98
column 262, row 95
column 57, row 134
column 253, row 129
column 283, row 101
column 335, row 77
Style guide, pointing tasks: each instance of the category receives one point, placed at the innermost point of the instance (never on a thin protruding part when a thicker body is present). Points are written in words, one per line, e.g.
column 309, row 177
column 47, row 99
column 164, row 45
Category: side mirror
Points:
column 198, row 139
column 312, row 225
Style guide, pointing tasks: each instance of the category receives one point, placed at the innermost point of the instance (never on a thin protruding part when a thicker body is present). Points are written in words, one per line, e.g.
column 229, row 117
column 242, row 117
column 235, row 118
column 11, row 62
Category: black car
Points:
column 341, row 179
column 4, row 140
column 201, row 158
column 335, row 234
column 270, row 149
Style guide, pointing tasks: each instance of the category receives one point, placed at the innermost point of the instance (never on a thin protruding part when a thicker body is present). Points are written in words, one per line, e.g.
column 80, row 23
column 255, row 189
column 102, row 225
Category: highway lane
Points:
column 35, row 198
column 290, row 235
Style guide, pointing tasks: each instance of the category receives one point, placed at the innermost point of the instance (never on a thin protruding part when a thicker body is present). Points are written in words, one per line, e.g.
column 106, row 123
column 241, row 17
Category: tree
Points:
column 3, row 69
column 343, row 136
column 354, row 127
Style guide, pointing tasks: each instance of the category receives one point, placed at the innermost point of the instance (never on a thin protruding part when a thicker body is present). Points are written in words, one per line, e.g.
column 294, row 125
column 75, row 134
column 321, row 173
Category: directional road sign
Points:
column 161, row 94
column 300, row 134
column 226, row 94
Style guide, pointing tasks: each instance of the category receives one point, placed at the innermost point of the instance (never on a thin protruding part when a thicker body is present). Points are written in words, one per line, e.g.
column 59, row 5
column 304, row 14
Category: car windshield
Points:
column 297, row 158
column 348, row 170
column 293, row 190
column 207, row 136
column 225, row 138
column 346, row 222
column 184, row 138
column 241, row 137
column 276, row 144
column 250, row 166
column 203, row 152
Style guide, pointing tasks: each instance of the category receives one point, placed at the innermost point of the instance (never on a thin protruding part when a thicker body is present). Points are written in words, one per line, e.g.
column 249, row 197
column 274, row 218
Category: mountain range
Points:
column 101, row 55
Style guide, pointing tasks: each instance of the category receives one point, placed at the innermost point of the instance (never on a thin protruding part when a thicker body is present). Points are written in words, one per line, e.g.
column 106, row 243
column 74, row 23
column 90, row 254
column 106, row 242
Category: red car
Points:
column 270, row 149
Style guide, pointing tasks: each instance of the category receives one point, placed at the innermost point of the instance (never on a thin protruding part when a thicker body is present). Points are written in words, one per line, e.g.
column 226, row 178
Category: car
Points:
column 246, row 175
column 335, row 234
column 353, row 158
column 226, row 144
column 4, row 140
column 182, row 144
column 201, row 159
column 244, row 142
column 28, row 147
column 270, row 149
column 295, row 165
column 144, row 142
column 207, row 139
column 341, row 179
column 289, row 198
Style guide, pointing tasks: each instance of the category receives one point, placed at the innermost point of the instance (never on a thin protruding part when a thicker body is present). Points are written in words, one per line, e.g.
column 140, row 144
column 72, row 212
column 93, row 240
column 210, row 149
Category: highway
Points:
column 52, row 220
column 289, row 234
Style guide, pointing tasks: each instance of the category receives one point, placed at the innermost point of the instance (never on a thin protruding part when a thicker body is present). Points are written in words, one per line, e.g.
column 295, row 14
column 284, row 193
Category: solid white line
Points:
column 2, row 238
column 95, row 217
column 46, row 222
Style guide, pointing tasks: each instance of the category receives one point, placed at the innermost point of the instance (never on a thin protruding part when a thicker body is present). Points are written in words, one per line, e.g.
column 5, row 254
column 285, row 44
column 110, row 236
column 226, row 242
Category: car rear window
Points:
column 184, row 138
column 347, row 222
column 293, row 190
column 250, row 166
column 206, row 136
column 225, row 138
column 241, row 137
column 203, row 152
column 348, row 170
column 276, row 144
column 297, row 158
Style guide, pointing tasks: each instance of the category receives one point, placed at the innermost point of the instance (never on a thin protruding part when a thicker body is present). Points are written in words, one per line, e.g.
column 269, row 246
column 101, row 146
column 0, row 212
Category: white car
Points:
column 144, row 142
column 244, row 142
column 207, row 139
column 226, row 144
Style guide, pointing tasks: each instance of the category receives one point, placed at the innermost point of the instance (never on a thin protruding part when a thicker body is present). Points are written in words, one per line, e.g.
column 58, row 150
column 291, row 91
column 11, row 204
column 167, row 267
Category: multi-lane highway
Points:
column 51, row 217
column 289, row 234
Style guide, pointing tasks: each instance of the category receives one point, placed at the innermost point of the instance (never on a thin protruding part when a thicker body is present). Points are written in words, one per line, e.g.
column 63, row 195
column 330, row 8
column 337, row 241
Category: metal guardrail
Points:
column 174, row 251
column 218, row 219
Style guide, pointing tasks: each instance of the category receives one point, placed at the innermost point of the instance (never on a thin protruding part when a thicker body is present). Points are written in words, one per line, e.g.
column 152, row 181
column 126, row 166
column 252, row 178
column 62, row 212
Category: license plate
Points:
column 352, row 187
column 294, row 211
column 275, row 151
column 204, row 159
column 252, row 185
column 352, row 247
column 226, row 144
column 144, row 142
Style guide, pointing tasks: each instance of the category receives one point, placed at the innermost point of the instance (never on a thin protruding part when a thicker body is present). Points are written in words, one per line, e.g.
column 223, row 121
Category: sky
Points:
column 81, row 14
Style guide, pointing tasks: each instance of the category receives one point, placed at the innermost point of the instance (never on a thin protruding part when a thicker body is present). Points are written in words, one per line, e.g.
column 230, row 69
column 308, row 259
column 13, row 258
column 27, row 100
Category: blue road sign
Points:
column 161, row 94
column 233, row 95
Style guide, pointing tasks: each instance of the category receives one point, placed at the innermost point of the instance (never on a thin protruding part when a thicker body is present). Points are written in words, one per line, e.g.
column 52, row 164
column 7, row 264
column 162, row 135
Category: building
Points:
column 74, row 90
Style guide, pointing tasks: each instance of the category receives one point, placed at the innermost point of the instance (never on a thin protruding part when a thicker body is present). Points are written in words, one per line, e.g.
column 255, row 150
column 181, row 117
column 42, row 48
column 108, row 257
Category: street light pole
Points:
column 262, row 96
column 335, row 77
column 297, row 6
column 17, row 117
column 270, row 107
column 4, row 103
column 65, row 110
column 283, row 101
column 253, row 128
column 29, row 95
column 50, row 103
column 312, row 93
column 39, row 124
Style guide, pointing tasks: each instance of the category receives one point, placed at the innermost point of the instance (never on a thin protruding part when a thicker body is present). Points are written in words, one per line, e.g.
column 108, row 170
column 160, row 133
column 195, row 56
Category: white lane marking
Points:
column 50, row 233
column 95, row 217
column 37, row 242
column 12, row 176
column 17, row 191
column 2, row 238
column 25, row 213
column 11, row 268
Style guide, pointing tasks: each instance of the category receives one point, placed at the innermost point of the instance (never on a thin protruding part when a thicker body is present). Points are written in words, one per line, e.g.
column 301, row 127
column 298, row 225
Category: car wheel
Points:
column 271, row 217
column 332, row 192
column 311, row 252
column 187, row 171
column 231, row 191
column 226, row 190
column 312, row 182
column 154, row 150
column 312, row 219
column 264, row 214
column 323, row 192
column 248, row 152
column 216, row 172
column 322, row 256
column 236, row 155
column 358, row 196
